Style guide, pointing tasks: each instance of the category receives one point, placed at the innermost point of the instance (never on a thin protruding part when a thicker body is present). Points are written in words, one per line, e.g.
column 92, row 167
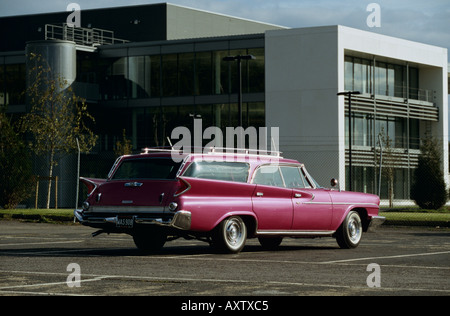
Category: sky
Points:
column 418, row 20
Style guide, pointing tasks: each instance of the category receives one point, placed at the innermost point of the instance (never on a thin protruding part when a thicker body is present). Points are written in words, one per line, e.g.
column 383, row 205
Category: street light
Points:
column 349, row 95
column 239, row 59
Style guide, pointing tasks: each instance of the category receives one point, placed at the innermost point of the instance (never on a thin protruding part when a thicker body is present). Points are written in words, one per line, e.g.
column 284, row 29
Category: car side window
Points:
column 293, row 177
column 225, row 171
column 268, row 175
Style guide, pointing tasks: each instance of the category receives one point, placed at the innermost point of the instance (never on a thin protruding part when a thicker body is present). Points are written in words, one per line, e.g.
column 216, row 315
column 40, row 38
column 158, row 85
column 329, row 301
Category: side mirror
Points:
column 334, row 182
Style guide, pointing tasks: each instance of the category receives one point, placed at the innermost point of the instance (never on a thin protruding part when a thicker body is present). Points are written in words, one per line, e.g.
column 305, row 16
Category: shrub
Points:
column 429, row 188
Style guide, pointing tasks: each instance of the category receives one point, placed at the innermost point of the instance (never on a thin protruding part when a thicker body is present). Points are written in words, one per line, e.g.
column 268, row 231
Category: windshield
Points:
column 311, row 179
column 147, row 168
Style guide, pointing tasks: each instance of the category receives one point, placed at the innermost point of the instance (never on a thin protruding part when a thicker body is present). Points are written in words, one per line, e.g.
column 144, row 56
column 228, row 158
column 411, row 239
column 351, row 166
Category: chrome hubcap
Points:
column 233, row 233
column 354, row 230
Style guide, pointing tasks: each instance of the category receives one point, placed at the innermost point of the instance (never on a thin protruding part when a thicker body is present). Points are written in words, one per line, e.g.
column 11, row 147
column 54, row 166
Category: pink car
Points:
column 222, row 199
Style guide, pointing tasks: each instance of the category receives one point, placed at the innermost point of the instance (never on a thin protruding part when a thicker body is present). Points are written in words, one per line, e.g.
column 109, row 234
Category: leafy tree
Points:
column 57, row 116
column 124, row 146
column 429, row 189
column 16, row 179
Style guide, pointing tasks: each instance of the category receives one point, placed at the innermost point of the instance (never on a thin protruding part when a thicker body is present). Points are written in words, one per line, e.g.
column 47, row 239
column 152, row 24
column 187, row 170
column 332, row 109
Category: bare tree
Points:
column 388, row 164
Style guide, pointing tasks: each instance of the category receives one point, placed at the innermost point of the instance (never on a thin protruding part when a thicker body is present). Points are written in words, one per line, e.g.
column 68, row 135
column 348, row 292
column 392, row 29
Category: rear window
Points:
column 147, row 168
column 225, row 171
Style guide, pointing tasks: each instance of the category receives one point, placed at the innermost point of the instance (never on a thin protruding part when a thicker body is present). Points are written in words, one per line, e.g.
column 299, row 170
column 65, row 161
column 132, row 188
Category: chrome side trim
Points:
column 353, row 203
column 295, row 232
column 342, row 203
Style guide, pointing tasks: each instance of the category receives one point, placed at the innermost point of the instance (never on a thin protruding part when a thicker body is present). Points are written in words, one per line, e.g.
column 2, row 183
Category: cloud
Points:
column 417, row 20
column 425, row 25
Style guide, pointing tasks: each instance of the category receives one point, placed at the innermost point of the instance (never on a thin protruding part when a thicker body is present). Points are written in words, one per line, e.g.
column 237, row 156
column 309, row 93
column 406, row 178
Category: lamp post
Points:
column 239, row 59
column 349, row 95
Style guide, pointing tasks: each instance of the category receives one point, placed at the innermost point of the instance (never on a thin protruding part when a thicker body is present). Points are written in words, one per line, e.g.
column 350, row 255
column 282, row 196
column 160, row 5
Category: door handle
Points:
column 259, row 194
column 297, row 195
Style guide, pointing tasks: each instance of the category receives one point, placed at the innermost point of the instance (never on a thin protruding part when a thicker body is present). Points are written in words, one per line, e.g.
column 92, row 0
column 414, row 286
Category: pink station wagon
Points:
column 222, row 198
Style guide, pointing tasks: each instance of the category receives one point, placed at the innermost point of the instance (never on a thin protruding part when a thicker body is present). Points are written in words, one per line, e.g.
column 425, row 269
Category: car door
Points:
column 312, row 207
column 272, row 201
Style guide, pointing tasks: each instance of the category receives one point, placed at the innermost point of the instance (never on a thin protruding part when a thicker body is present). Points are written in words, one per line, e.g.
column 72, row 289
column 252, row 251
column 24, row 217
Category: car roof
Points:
column 240, row 155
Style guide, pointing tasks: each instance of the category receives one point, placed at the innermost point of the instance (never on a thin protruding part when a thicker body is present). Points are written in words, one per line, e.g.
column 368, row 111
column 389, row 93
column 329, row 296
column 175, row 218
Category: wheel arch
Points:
column 363, row 214
column 252, row 225
column 249, row 220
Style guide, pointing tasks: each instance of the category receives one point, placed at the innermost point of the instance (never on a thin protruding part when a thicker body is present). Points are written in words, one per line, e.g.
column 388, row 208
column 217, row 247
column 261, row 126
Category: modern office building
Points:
column 403, row 88
column 148, row 69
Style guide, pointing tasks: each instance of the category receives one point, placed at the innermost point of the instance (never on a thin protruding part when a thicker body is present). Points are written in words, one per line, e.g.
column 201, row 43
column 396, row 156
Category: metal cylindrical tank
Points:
column 56, row 61
column 58, row 56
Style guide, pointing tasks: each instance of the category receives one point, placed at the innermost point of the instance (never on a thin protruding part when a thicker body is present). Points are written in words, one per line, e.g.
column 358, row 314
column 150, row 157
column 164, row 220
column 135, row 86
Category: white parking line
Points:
column 202, row 257
column 9, row 289
column 60, row 252
column 359, row 287
column 388, row 257
column 41, row 293
column 43, row 243
column 47, row 284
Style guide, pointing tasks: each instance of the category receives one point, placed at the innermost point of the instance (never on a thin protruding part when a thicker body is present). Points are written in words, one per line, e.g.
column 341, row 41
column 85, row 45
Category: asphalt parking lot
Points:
column 49, row 259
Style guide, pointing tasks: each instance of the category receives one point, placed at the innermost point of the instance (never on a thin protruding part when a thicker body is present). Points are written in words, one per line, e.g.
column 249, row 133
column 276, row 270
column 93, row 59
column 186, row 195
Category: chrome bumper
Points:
column 181, row 220
column 376, row 221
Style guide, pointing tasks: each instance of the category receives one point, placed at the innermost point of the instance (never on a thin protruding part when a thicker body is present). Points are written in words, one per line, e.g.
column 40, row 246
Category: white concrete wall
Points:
column 183, row 22
column 301, row 86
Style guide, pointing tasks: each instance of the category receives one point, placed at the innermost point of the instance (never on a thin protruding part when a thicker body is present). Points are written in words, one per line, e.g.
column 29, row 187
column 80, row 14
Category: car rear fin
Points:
column 184, row 186
column 91, row 184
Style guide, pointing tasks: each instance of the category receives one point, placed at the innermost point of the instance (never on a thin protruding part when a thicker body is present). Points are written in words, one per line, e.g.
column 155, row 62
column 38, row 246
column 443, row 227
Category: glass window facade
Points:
column 180, row 74
column 365, row 130
column 158, row 93
column 12, row 84
column 152, row 125
column 3, row 100
column 130, row 77
column 387, row 79
column 365, row 179
column 381, row 78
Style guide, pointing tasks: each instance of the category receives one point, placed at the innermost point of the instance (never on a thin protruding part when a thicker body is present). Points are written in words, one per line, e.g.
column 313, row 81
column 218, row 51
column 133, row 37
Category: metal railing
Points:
column 81, row 36
column 406, row 93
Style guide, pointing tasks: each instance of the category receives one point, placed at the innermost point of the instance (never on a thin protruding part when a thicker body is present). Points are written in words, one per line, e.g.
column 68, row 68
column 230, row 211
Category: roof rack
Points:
column 147, row 150
column 218, row 150
column 245, row 151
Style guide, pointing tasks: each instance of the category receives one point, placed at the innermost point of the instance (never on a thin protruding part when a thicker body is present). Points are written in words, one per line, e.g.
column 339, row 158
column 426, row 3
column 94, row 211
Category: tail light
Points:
column 184, row 186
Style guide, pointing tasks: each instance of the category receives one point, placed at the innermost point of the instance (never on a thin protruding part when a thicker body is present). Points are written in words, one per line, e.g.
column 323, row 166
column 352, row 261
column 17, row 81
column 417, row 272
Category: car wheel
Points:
column 231, row 235
column 149, row 241
column 270, row 243
column 349, row 234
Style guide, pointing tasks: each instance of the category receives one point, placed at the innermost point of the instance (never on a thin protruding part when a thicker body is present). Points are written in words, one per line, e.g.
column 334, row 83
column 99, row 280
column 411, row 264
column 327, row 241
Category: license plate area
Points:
column 125, row 221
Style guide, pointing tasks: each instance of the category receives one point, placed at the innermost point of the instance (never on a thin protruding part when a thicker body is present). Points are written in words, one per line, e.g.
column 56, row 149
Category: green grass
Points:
column 416, row 217
column 39, row 215
column 396, row 216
